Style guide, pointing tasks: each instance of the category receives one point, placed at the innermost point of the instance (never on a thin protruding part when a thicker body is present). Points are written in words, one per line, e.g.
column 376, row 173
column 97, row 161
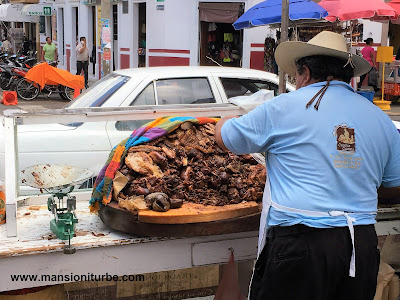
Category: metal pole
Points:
column 284, row 38
column 37, row 34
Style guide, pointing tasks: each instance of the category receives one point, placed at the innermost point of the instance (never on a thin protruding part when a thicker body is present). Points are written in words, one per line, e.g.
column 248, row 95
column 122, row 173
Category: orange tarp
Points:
column 45, row 74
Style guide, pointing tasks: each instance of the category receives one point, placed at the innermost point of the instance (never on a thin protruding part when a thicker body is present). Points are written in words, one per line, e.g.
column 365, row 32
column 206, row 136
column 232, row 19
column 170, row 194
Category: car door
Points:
column 176, row 91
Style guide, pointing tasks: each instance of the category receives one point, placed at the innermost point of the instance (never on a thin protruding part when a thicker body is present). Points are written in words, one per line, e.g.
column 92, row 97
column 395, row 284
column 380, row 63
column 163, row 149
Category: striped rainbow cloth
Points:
column 101, row 194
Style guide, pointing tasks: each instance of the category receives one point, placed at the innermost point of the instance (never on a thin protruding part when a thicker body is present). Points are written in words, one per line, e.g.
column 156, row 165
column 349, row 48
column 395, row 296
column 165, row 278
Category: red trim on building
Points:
column 68, row 53
column 125, row 61
column 160, row 61
column 257, row 45
column 125, row 49
column 257, row 60
column 170, row 51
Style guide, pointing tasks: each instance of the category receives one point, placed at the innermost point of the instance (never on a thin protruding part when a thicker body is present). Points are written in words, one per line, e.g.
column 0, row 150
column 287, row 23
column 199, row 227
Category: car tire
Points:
column 27, row 90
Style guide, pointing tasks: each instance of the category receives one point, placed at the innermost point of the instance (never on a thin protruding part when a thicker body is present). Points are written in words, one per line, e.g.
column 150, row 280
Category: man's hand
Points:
column 217, row 134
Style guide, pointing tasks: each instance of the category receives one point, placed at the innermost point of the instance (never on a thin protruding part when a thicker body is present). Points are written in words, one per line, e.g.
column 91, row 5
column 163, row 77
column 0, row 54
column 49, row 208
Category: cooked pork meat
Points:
column 142, row 163
column 188, row 165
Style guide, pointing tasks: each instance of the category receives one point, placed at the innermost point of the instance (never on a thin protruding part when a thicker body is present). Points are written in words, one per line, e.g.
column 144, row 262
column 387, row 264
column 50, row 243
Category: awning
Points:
column 219, row 12
column 13, row 13
column 37, row 10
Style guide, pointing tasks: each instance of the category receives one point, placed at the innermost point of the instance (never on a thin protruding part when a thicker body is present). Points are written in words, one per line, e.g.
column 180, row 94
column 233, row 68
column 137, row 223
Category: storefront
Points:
column 220, row 43
column 15, row 24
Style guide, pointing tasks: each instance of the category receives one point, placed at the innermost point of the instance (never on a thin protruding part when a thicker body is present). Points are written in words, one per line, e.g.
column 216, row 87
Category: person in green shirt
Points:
column 49, row 52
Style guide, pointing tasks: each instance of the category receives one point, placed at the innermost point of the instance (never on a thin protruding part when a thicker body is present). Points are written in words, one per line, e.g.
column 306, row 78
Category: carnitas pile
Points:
column 187, row 165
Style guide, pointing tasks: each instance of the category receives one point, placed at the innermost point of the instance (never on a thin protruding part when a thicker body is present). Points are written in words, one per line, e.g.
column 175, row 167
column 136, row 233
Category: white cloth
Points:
column 267, row 203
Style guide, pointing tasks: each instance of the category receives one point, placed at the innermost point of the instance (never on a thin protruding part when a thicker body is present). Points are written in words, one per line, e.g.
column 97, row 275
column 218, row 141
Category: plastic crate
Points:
column 368, row 95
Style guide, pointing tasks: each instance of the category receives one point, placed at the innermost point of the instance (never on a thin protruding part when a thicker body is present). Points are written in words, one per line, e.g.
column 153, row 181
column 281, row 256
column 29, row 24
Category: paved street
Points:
column 53, row 102
column 41, row 102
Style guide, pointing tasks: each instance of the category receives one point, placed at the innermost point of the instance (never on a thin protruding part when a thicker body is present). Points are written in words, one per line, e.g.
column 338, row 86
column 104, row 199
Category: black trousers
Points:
column 304, row 263
column 362, row 77
column 83, row 65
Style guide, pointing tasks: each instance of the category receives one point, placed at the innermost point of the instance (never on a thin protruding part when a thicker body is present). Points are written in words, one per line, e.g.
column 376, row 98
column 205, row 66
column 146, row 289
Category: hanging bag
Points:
column 373, row 77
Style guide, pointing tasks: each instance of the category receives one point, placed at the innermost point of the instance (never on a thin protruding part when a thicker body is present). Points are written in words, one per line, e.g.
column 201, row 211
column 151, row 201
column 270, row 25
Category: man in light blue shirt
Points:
column 328, row 150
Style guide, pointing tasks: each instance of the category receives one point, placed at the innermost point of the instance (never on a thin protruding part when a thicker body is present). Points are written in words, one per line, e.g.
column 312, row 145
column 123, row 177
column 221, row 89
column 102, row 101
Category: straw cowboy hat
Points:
column 325, row 43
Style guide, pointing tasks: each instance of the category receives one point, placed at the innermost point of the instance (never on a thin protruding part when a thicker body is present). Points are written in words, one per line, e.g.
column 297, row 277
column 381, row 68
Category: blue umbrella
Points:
column 270, row 12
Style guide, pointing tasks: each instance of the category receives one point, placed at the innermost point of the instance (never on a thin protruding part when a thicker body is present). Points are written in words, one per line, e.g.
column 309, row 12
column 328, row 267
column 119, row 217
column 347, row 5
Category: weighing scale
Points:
column 58, row 180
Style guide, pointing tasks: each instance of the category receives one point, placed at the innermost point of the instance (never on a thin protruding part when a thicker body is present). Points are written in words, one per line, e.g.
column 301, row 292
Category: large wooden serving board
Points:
column 125, row 221
column 198, row 213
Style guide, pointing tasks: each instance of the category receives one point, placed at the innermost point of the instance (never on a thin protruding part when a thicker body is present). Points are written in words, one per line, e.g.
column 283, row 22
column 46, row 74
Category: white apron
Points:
column 267, row 203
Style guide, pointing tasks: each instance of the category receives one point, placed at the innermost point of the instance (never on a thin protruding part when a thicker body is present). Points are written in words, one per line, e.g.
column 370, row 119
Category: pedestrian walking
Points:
column 49, row 52
column 6, row 46
column 369, row 55
column 82, row 59
column 329, row 153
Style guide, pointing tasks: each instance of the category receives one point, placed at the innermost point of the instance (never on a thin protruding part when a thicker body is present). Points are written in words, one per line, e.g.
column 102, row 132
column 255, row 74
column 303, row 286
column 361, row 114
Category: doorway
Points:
column 394, row 37
column 115, row 35
column 61, row 46
column 142, row 35
column 220, row 43
column 76, row 29
column 94, row 40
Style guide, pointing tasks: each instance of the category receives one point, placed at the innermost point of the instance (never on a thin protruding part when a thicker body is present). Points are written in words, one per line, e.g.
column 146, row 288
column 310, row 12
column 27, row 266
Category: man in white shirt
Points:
column 82, row 59
column 6, row 46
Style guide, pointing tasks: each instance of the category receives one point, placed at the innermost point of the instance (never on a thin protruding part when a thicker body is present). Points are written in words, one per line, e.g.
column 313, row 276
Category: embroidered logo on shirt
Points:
column 345, row 138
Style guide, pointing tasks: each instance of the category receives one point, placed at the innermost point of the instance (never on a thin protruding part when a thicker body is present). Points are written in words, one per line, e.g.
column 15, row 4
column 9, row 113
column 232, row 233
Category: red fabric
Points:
column 77, row 92
column 396, row 5
column 345, row 10
column 228, row 288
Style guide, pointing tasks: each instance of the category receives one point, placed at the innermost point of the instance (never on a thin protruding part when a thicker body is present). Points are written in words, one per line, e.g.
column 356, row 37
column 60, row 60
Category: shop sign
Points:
column 392, row 88
column 47, row 11
column 160, row 7
column 107, row 54
column 35, row 11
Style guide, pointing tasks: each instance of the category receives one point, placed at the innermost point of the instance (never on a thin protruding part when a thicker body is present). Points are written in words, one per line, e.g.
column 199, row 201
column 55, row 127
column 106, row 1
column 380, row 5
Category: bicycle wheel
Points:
column 69, row 93
column 27, row 90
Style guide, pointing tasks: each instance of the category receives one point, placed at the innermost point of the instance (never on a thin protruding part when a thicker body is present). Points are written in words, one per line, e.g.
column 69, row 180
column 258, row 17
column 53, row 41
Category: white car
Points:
column 87, row 145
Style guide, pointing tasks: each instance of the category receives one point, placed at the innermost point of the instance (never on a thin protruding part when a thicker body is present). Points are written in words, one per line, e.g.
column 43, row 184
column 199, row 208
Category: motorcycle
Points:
column 29, row 88
column 9, row 76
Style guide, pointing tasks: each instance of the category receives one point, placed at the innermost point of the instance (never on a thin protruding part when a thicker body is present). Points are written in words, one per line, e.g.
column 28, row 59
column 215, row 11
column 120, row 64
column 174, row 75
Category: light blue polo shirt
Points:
column 331, row 159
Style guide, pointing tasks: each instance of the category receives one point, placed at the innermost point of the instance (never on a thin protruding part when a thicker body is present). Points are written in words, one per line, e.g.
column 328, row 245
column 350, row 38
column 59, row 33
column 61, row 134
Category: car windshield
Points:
column 98, row 94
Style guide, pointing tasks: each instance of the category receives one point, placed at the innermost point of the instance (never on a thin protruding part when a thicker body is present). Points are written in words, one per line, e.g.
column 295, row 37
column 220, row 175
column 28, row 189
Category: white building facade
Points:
column 159, row 33
column 146, row 33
